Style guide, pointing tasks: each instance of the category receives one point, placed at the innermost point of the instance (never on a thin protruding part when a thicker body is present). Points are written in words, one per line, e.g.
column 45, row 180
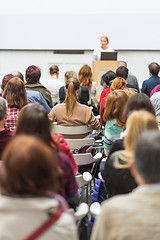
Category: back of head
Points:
column 15, row 93
column 85, row 76
column 118, row 83
column 108, row 76
column 29, row 168
column 68, row 75
column 154, row 68
column 138, row 101
column 121, row 63
column 54, row 69
column 122, row 72
column 19, row 75
column 32, row 74
column 138, row 122
column 71, row 96
column 6, row 79
column 114, row 105
column 147, row 155
column 3, row 108
column 33, row 120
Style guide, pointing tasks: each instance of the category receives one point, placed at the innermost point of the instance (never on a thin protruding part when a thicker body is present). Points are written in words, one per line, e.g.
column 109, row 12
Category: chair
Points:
column 70, row 130
column 83, row 180
column 78, row 143
column 95, row 209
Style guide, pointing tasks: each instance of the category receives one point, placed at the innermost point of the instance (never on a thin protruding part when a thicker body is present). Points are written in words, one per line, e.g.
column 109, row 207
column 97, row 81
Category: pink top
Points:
column 154, row 90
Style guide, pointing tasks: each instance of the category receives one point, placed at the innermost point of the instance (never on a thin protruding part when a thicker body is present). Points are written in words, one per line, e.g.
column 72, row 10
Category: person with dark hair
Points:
column 135, row 215
column 5, row 80
column 72, row 113
column 131, row 78
column 30, row 181
column 153, row 81
column 53, row 83
column 123, row 73
column 32, row 77
column 107, row 78
column 33, row 120
column 33, row 96
column 15, row 94
column 83, row 96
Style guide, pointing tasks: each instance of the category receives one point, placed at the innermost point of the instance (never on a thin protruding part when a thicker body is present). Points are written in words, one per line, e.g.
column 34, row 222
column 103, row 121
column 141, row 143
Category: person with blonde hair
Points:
column 83, row 97
column 104, row 48
column 72, row 113
column 115, row 123
column 116, row 174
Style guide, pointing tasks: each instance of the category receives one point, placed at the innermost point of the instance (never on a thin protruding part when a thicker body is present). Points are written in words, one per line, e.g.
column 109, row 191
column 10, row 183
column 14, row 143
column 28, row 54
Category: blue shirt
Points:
column 149, row 84
column 35, row 96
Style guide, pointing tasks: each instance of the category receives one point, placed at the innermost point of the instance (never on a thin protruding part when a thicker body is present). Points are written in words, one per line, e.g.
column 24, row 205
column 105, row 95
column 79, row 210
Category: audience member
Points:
column 83, row 96
column 30, row 181
column 115, row 124
column 153, row 81
column 107, row 78
column 116, row 174
column 53, row 84
column 117, row 84
column 123, row 73
column 33, row 120
column 33, row 96
column 72, row 113
column 85, row 79
column 135, row 215
column 132, row 80
column 15, row 94
column 32, row 77
column 5, row 133
column 5, row 80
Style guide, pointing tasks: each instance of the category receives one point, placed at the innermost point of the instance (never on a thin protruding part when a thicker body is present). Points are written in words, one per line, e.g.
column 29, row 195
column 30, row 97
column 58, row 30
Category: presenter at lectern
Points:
column 103, row 48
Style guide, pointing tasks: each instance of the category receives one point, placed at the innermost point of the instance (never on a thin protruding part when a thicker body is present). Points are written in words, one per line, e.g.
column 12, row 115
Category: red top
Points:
column 104, row 93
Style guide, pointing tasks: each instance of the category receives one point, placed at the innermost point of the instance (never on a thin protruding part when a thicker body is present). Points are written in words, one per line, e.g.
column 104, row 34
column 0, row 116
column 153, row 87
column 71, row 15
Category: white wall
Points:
column 19, row 60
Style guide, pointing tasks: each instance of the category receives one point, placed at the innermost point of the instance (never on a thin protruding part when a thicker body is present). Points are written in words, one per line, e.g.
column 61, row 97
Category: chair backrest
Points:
column 78, row 143
column 70, row 130
column 86, row 158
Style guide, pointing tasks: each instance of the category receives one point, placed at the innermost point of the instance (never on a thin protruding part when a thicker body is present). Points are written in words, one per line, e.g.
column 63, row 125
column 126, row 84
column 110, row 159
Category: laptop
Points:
column 110, row 56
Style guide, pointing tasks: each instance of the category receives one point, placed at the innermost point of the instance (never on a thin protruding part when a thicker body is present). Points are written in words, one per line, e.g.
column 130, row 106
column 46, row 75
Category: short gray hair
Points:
column 3, row 108
column 147, row 156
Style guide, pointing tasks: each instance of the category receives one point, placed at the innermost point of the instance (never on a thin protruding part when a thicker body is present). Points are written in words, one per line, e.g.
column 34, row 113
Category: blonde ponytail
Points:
column 71, row 97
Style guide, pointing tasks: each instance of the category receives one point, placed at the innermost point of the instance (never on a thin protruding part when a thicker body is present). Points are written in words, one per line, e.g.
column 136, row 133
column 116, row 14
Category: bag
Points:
column 84, row 229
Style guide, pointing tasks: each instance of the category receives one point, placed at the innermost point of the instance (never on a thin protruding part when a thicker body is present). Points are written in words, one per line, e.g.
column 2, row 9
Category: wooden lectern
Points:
column 99, row 68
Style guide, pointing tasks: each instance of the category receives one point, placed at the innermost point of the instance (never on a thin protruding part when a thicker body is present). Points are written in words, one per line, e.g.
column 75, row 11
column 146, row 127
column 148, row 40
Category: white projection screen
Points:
column 78, row 25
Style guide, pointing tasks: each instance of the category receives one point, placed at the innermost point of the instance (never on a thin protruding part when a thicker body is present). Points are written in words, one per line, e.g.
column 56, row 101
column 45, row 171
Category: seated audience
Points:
column 30, row 180
column 33, row 96
column 83, row 96
column 33, row 120
column 5, row 133
column 15, row 94
column 154, row 90
column 72, row 113
column 53, row 84
column 123, row 73
column 153, row 81
column 5, row 80
column 85, row 79
column 135, row 215
column 115, row 124
column 116, row 174
column 107, row 78
column 117, row 84
column 132, row 80
column 32, row 77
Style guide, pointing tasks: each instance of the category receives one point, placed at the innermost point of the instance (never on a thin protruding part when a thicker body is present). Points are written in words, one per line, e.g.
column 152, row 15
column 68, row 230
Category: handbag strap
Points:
column 40, row 230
